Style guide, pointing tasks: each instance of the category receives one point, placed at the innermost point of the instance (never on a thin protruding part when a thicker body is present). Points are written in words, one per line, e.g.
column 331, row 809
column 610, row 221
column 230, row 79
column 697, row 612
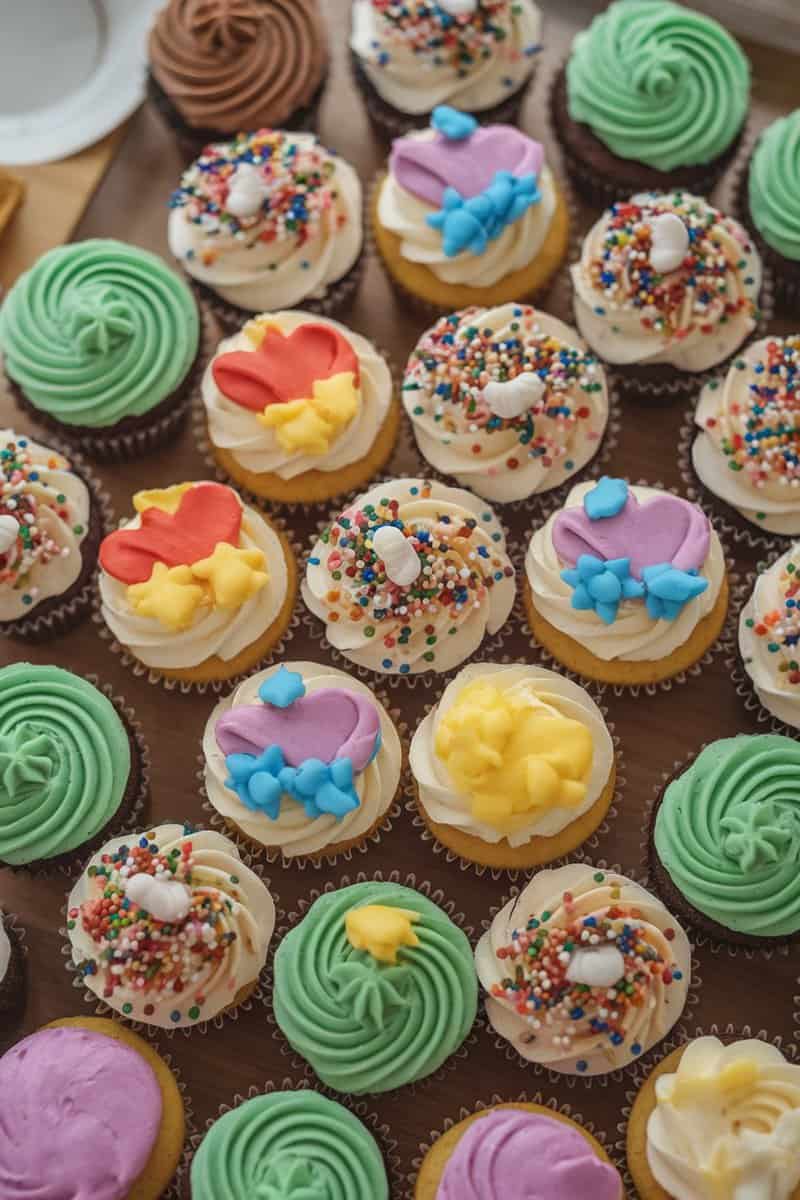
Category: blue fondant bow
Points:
column 471, row 224
column 260, row 781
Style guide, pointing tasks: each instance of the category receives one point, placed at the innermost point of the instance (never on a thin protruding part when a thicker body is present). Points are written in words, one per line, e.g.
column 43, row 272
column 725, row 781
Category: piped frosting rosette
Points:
column 769, row 637
column 301, row 758
column 170, row 927
column 375, row 987
column 507, row 400
column 411, row 577
column 666, row 279
column 584, row 971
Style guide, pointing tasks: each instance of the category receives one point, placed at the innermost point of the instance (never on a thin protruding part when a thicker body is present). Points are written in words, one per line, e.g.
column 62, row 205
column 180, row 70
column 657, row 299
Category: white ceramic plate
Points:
column 70, row 71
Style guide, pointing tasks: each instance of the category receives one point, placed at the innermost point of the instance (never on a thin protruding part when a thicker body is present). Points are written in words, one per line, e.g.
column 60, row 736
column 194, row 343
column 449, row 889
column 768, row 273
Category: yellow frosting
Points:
column 225, row 579
column 167, row 499
column 741, row 1075
column 381, row 930
column 513, row 755
column 232, row 574
column 171, row 595
column 310, row 425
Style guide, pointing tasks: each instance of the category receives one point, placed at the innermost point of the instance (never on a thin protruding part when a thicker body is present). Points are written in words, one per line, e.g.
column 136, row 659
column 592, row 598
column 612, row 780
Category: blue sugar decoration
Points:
column 471, row 224
column 669, row 589
column 453, row 124
column 261, row 781
column 605, row 499
column 283, row 688
column 601, row 585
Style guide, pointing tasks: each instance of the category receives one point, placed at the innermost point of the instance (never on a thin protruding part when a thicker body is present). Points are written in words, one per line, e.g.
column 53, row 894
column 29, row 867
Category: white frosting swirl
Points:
column 293, row 832
column 256, row 447
column 634, row 636
column 5, row 949
column 726, row 1125
column 767, row 668
column 541, row 688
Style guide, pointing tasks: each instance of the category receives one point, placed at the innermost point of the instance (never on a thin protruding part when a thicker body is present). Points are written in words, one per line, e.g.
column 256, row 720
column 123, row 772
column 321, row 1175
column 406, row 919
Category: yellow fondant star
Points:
column 255, row 330
column 171, row 595
column 381, row 930
column 233, row 574
column 310, row 425
column 167, row 499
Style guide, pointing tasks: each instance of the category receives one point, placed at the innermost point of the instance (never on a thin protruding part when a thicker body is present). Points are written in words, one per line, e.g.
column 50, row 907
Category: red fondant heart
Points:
column 283, row 368
column 207, row 514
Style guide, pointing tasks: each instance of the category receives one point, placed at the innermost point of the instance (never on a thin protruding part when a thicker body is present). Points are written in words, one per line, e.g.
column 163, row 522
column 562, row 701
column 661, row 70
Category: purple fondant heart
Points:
column 426, row 168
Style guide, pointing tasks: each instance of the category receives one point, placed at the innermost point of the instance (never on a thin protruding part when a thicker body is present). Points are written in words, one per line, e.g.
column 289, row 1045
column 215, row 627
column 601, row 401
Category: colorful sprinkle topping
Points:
column 780, row 628
column 26, row 504
column 441, row 38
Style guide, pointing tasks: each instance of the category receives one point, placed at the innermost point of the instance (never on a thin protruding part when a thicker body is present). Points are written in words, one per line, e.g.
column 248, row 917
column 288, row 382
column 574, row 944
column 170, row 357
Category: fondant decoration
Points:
column 471, row 223
column 233, row 574
column 400, row 560
column 320, row 787
column 282, row 688
column 171, row 595
column 168, row 499
column 512, row 397
column 247, row 190
column 602, row 585
column 163, row 897
column 513, row 755
column 9, row 532
column 606, row 498
column 600, row 966
column 669, row 242
column 381, row 930
column 668, row 590
column 453, row 124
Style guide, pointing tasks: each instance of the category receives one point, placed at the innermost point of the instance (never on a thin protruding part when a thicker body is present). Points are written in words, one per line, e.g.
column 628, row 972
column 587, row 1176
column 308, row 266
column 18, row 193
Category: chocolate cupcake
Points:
column 770, row 203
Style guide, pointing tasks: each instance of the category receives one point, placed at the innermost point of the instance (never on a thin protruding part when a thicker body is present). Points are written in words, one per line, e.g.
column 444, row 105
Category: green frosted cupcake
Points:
column 375, row 987
column 770, row 202
column 99, row 339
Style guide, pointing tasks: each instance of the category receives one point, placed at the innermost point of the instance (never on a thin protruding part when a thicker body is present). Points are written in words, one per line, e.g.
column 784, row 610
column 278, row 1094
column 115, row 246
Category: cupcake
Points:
column 717, row 1120
column 631, row 106
column 506, row 1149
column 51, row 523
column 71, row 766
column 514, row 766
column 469, row 215
column 219, row 66
column 295, row 1143
column 666, row 287
column 626, row 584
column 12, row 968
column 99, row 339
column 771, row 202
column 747, row 454
column 410, row 578
column 302, row 759
column 479, row 55
column 507, row 400
column 723, row 849
column 268, row 221
column 584, row 970
column 69, row 1131
column 769, row 635
column 299, row 408
column 197, row 586
column 375, row 987
column 188, row 890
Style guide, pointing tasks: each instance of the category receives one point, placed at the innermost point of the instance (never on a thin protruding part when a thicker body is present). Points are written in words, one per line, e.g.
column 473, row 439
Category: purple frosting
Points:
column 328, row 724
column 511, row 1154
column 426, row 168
column 79, row 1115
column 665, row 529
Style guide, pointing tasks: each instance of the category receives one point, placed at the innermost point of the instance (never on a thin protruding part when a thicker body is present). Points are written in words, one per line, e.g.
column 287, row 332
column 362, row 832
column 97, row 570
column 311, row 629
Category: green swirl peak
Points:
column 28, row 758
column 774, row 186
column 658, row 84
column 98, row 318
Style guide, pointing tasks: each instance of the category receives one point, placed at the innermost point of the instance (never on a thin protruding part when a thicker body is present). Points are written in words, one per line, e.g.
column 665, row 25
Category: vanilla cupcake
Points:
column 514, row 766
column 302, row 759
column 270, row 220
column 584, row 970
column 626, row 584
column 666, row 286
column 188, row 890
column 507, row 400
column 197, row 586
column 299, row 408
column 411, row 577
column 769, row 638
column 748, row 451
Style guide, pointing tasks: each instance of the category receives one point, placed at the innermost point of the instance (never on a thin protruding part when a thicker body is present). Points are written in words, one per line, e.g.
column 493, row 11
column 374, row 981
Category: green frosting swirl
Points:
column 658, row 84
column 97, row 331
column 64, row 762
column 289, row 1146
column 728, row 834
column 774, row 186
column 366, row 1026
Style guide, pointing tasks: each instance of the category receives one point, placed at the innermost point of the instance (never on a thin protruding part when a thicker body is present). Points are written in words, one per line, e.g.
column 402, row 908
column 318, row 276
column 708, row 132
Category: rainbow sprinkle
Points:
column 443, row 39
column 26, row 497
column 780, row 628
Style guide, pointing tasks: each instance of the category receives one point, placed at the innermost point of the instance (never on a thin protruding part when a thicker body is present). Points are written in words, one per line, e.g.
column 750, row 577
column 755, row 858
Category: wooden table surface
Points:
column 653, row 730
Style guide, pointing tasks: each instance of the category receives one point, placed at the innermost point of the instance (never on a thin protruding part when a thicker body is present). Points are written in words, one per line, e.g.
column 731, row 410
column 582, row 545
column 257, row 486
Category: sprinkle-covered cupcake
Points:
column 479, row 55
column 771, row 202
column 12, row 968
column 219, row 66
column 411, row 577
column 197, row 586
column 507, row 400
column 96, row 1112
column 299, row 408
column 769, row 638
column 70, row 766
column 615, row 963
column 469, row 215
column 267, row 221
column 626, row 584
column 747, row 454
column 302, row 759
column 631, row 107
column 724, row 849
column 375, row 987
column 286, row 1144
column 51, row 523
column 190, row 891
column 99, row 339
column 514, row 766
column 666, row 287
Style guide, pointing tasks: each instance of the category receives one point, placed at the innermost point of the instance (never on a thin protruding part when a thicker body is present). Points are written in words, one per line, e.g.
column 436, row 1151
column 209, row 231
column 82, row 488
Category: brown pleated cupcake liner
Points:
column 13, row 985
column 785, row 273
column 739, row 675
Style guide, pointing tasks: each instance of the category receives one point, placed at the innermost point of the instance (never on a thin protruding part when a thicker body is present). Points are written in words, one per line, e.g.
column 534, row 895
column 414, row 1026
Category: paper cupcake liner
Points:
column 785, row 273
column 304, row 903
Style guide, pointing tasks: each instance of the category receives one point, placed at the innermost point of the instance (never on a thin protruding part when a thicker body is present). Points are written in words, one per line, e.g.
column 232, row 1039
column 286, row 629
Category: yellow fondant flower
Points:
column 168, row 498
column 310, row 425
column 381, row 930
column 171, row 595
column 233, row 574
